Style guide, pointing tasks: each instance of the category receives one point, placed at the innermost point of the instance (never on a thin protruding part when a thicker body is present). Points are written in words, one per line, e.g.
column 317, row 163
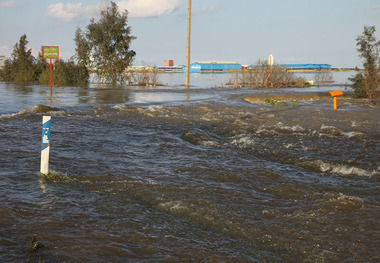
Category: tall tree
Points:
column 21, row 55
column 20, row 67
column 109, row 40
column 82, row 48
column 367, row 83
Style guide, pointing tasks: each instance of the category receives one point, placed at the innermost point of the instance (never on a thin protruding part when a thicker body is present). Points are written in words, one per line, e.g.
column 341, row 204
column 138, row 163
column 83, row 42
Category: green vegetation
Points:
column 275, row 102
column 366, row 83
column 21, row 67
column 35, row 245
column 66, row 74
column 280, row 103
column 54, row 176
column 24, row 68
column 106, row 44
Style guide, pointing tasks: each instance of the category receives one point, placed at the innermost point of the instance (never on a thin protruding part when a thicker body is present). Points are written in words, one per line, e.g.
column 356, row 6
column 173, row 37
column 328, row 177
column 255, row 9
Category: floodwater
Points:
column 164, row 174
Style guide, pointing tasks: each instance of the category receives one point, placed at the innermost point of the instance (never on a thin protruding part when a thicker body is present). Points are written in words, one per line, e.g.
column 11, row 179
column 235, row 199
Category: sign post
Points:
column 50, row 53
column 271, row 64
column 334, row 94
column 45, row 144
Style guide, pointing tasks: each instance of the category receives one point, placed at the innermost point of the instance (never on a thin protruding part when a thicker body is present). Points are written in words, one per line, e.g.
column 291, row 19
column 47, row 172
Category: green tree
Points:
column 20, row 68
column 108, row 40
column 366, row 83
column 82, row 48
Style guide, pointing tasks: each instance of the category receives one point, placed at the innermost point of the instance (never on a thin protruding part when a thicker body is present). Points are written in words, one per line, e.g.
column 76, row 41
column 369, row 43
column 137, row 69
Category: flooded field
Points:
column 165, row 174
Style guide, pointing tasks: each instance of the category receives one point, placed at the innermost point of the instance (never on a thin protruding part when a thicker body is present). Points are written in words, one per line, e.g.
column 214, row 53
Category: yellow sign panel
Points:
column 50, row 52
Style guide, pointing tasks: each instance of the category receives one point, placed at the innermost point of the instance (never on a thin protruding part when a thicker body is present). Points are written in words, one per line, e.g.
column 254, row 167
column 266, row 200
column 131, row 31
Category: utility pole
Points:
column 187, row 79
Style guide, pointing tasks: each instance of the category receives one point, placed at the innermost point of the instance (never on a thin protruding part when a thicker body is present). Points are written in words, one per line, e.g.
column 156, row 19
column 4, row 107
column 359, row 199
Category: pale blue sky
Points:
column 294, row 31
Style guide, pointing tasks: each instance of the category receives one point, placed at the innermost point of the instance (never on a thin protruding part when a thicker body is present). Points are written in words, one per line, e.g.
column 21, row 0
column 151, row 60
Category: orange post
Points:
column 334, row 94
column 335, row 103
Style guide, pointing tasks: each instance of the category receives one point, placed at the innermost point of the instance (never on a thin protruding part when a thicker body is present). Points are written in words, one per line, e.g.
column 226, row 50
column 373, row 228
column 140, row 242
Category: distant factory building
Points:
column 299, row 66
column 2, row 61
column 306, row 66
column 214, row 66
column 169, row 63
column 169, row 67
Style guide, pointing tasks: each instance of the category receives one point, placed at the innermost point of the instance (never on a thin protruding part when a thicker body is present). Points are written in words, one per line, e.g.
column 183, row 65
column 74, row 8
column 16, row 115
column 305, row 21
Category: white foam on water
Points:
column 274, row 129
column 210, row 143
column 331, row 131
column 10, row 115
column 172, row 206
column 294, row 128
column 342, row 169
column 327, row 127
column 344, row 202
column 266, row 130
column 155, row 108
column 243, row 142
column 119, row 107
column 352, row 134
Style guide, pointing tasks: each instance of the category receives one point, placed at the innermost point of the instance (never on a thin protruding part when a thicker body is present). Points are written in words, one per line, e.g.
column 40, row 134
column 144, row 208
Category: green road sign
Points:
column 50, row 52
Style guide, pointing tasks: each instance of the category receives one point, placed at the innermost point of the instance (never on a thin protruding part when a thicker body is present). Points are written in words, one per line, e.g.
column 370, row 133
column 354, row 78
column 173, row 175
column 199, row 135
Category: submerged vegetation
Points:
column 275, row 102
column 54, row 176
column 143, row 78
column 261, row 77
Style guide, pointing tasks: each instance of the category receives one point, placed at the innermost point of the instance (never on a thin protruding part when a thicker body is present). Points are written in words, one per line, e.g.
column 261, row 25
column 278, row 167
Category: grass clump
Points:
column 276, row 102
column 35, row 245
column 54, row 176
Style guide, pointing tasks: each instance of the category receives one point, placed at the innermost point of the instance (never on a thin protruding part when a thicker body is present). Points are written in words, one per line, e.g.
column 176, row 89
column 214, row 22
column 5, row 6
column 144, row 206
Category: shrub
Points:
column 366, row 83
column 259, row 77
column 69, row 74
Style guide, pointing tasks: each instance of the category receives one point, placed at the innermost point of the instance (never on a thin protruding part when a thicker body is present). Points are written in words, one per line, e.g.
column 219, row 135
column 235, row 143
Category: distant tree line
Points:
column 23, row 67
column 104, row 45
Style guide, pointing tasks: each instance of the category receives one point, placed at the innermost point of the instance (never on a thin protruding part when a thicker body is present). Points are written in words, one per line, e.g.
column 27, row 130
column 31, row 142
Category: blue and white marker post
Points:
column 45, row 145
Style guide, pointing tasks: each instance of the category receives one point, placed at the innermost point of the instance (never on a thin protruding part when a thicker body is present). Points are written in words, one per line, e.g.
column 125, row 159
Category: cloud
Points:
column 70, row 12
column 7, row 4
column 136, row 8
column 149, row 8
column 375, row 7
column 207, row 9
column 4, row 50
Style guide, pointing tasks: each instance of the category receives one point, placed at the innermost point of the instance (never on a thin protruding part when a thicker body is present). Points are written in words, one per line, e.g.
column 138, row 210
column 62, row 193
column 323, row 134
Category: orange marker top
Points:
column 335, row 93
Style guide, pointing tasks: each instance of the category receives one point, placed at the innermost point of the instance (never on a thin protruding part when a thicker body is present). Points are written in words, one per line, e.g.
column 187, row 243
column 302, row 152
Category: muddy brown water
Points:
column 169, row 175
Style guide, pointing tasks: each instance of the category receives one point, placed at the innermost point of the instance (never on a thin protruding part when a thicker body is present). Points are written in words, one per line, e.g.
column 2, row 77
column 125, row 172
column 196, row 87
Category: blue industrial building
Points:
column 213, row 66
column 306, row 66
column 299, row 66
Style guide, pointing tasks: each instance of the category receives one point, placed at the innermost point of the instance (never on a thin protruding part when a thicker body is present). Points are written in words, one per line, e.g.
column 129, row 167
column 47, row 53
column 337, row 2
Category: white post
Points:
column 45, row 144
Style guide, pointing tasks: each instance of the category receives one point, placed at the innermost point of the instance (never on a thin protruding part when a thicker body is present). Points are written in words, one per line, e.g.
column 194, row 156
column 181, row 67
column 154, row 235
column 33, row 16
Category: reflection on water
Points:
column 164, row 174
